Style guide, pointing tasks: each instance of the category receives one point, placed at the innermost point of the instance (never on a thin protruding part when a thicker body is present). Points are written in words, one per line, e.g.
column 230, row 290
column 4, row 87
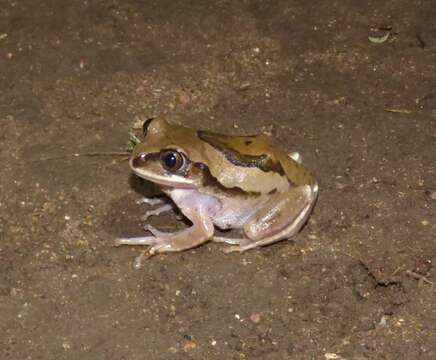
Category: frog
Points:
column 243, row 182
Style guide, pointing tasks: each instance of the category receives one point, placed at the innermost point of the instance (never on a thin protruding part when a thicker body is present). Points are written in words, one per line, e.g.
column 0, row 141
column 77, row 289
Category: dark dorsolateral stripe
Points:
column 263, row 162
column 141, row 159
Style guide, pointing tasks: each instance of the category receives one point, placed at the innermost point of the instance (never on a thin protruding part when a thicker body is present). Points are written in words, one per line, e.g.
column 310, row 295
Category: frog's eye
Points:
column 172, row 160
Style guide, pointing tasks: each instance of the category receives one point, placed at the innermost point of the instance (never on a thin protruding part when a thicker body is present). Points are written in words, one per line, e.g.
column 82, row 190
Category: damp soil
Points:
column 356, row 283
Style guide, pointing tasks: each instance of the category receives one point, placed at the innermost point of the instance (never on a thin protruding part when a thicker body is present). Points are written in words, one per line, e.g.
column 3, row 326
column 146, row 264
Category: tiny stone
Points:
column 189, row 345
column 245, row 85
column 383, row 320
column 332, row 356
column 255, row 318
column 184, row 98
column 339, row 186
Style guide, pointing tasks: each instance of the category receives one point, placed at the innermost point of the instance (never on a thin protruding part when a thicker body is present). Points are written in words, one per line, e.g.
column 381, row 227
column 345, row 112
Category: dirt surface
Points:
column 358, row 281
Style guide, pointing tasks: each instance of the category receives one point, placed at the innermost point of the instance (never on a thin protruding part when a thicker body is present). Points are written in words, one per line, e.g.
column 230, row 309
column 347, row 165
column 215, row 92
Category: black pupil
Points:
column 171, row 160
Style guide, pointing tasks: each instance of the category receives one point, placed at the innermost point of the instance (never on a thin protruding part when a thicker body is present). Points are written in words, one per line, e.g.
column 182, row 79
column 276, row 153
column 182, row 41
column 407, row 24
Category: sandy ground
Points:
column 358, row 281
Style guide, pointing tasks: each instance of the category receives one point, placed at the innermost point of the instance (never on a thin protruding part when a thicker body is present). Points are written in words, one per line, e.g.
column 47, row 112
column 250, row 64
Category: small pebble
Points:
column 383, row 320
column 255, row 318
column 184, row 98
column 189, row 345
column 332, row 356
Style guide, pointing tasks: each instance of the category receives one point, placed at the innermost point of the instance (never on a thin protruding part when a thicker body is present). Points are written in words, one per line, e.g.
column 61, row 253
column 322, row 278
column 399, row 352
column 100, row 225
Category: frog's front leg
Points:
column 157, row 211
column 165, row 206
column 150, row 201
column 282, row 217
column 201, row 230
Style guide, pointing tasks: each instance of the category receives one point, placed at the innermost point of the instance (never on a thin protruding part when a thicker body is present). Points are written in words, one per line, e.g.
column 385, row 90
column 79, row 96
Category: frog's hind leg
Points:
column 281, row 218
column 232, row 241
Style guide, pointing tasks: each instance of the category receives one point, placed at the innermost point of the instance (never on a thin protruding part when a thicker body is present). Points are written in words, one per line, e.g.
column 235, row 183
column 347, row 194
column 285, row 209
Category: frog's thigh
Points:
column 281, row 217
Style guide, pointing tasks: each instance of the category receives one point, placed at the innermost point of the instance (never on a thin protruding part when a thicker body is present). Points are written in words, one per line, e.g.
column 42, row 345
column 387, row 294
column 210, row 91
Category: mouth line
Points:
column 162, row 180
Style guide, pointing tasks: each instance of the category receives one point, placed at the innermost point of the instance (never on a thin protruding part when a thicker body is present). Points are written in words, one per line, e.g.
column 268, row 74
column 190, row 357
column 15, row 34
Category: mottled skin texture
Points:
column 241, row 182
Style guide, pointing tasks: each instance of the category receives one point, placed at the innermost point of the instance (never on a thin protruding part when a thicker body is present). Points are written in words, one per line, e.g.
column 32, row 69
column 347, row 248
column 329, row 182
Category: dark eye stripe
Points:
column 142, row 158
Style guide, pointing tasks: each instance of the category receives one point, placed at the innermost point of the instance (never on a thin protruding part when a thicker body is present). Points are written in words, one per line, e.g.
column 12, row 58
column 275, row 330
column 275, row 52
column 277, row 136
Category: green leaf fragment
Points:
column 133, row 141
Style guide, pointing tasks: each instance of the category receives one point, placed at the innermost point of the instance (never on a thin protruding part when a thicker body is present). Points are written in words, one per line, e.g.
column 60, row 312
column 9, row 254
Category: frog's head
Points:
column 165, row 155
